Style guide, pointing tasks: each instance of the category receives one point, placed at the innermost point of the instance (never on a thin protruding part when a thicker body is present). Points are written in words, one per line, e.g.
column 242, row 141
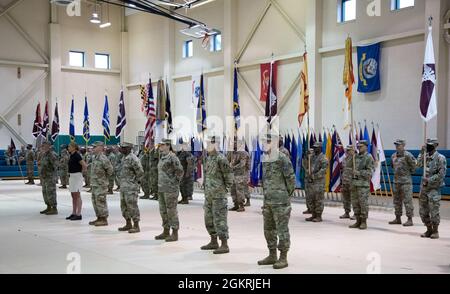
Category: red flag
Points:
column 265, row 79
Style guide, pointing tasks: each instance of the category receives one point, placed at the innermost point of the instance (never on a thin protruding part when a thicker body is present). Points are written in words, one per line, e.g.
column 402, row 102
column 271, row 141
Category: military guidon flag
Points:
column 428, row 105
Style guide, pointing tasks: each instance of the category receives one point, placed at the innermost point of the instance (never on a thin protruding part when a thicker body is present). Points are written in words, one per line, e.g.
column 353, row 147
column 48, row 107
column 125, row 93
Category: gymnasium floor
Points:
column 32, row 243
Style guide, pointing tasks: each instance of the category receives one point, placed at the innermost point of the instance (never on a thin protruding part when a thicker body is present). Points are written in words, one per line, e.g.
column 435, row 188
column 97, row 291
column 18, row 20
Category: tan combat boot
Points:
column 345, row 216
column 271, row 259
column 396, row 221
column 357, row 224
column 409, row 222
column 127, row 226
column 435, row 234
column 135, row 228
column 282, row 262
column 247, row 203
column 163, row 235
column 363, row 225
column 173, row 237
column 428, row 233
column 310, row 219
column 102, row 222
column 223, row 249
column 53, row 211
column 317, row 219
column 241, row 208
column 92, row 223
column 45, row 210
column 212, row 245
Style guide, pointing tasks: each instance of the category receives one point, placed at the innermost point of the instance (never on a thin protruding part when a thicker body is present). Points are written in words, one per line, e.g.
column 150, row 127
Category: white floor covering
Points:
column 33, row 243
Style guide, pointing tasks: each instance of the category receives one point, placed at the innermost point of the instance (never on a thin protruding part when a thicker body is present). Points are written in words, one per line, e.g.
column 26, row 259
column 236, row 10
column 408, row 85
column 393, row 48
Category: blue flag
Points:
column 367, row 138
column 72, row 122
column 86, row 130
column 294, row 152
column 236, row 105
column 105, row 120
column 369, row 68
column 121, row 117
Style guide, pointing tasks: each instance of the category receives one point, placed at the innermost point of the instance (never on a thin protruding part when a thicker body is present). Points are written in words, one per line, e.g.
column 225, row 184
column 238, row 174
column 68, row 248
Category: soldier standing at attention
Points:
column 430, row 193
column 111, row 157
column 346, row 177
column 83, row 153
column 187, row 160
column 130, row 176
column 49, row 167
column 64, row 167
column 315, row 182
column 240, row 165
column 145, row 162
column 88, row 162
column 404, row 165
column 364, row 168
column 278, row 188
column 217, row 181
column 29, row 156
column 101, row 171
column 170, row 173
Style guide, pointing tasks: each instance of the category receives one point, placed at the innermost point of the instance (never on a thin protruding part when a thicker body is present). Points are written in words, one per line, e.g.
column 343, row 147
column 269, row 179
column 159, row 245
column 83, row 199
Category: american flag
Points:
column 150, row 112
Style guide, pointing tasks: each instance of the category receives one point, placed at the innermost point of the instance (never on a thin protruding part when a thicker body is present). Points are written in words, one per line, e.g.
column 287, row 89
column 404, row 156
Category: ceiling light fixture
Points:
column 95, row 18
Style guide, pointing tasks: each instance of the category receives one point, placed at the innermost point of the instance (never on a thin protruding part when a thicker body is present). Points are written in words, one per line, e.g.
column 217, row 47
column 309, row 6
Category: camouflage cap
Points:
column 47, row 143
column 433, row 142
column 29, row 146
column 126, row 145
column 98, row 143
column 166, row 142
column 363, row 142
column 349, row 148
column 400, row 142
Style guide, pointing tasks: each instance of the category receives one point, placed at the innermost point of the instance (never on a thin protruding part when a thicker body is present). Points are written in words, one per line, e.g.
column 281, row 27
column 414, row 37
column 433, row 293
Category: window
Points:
column 76, row 58
column 102, row 61
column 188, row 49
column 400, row 4
column 216, row 43
column 346, row 10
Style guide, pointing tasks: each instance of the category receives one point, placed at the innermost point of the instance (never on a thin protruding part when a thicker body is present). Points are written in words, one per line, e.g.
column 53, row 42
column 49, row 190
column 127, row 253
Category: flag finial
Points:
column 430, row 20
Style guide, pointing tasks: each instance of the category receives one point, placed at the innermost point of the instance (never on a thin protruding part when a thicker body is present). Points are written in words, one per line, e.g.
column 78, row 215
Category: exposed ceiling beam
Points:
column 10, row 7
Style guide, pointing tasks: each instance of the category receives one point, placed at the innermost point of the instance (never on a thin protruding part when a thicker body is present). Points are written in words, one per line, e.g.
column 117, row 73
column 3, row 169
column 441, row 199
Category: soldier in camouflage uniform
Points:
column 187, row 160
column 130, row 177
column 111, row 157
column 48, row 169
column 346, row 178
column 84, row 155
column 404, row 165
column 430, row 192
column 29, row 156
column 217, row 181
column 101, row 171
column 315, row 182
column 170, row 173
column 278, row 188
column 240, row 165
column 362, row 175
column 38, row 162
column 64, row 167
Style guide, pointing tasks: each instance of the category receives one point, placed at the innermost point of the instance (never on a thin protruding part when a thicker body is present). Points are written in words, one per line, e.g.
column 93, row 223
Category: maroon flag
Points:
column 265, row 79
column 37, row 126
column 45, row 122
column 428, row 105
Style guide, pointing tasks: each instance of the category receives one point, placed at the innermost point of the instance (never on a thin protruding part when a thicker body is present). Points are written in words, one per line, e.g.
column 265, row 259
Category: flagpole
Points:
column 386, row 166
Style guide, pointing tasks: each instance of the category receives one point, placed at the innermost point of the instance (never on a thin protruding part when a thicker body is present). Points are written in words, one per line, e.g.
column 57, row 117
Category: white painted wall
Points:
column 76, row 33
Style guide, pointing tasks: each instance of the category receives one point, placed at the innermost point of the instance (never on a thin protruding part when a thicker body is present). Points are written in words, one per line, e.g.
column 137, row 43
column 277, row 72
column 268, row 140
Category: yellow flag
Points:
column 349, row 80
